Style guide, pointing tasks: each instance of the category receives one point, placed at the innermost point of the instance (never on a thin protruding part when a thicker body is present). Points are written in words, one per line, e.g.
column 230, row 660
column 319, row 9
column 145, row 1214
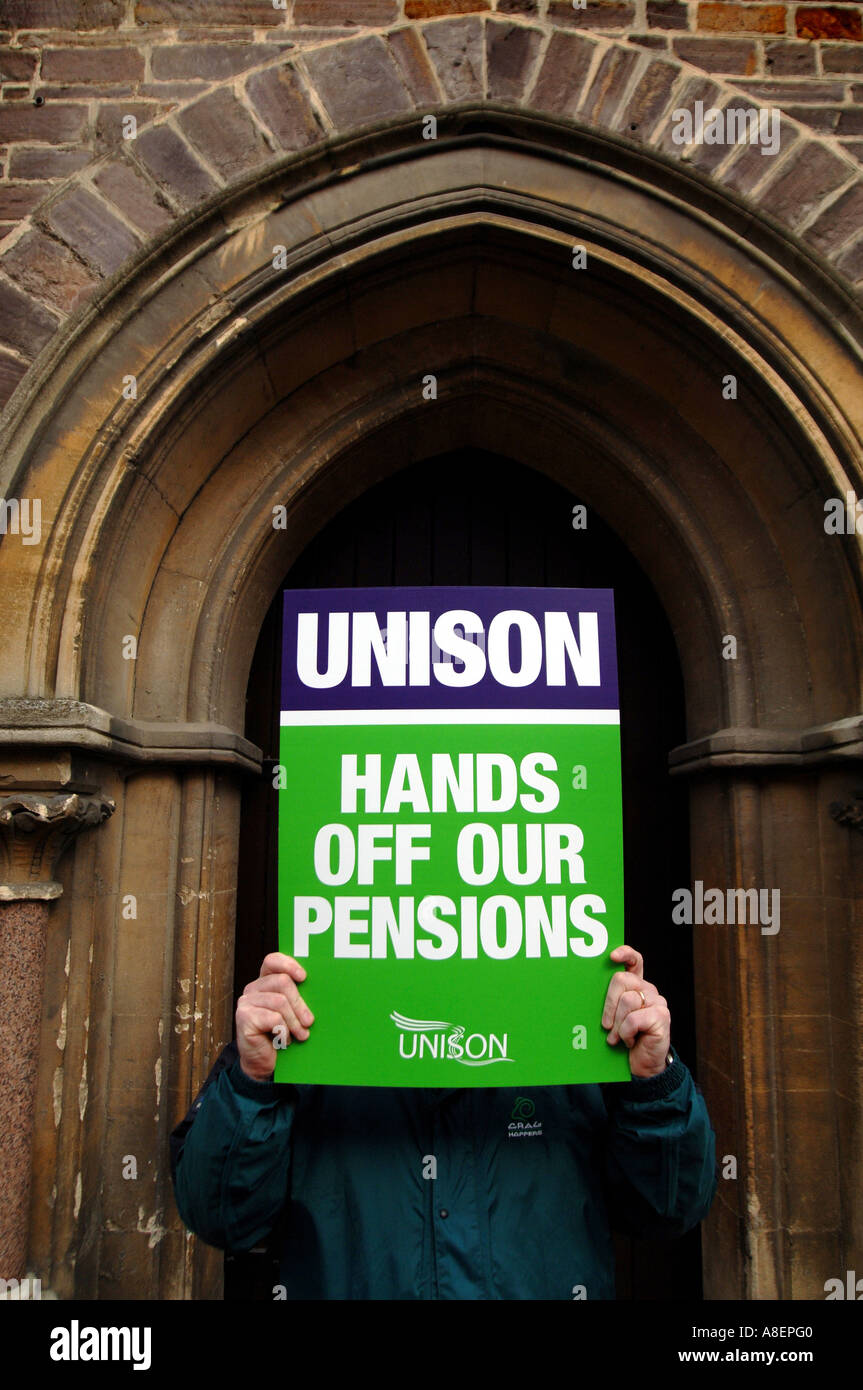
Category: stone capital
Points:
column 35, row 830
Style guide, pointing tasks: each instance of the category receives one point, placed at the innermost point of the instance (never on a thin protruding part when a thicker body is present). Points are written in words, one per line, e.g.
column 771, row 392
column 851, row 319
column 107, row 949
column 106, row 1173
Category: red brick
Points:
column 44, row 163
column 840, row 221
column 225, row 134
column 755, row 19
column 694, row 89
column 175, row 12
column 518, row 7
column 16, row 65
column 209, row 34
column 109, row 121
column 718, row 55
column 751, row 166
column 134, row 197
column 842, row 57
column 857, row 91
column 55, row 125
column 565, row 66
column 15, row 93
column 91, row 229
column 656, row 41
column 280, row 99
column 850, row 122
column 818, row 93
column 86, row 91
column 168, row 158
column 598, row 14
column 209, row 61
column 820, row 118
column 809, row 176
column 358, row 81
column 359, row 12
column 511, row 51
column 429, row 9
column 828, row 22
column 667, row 14
column 703, row 157
column 611, row 78
column 455, row 47
column 25, row 325
column 92, row 65
column 81, row 15
column 649, row 100
column 173, row 91
column 18, row 200
column 413, row 64
column 49, row 271
column 308, row 36
column 785, row 58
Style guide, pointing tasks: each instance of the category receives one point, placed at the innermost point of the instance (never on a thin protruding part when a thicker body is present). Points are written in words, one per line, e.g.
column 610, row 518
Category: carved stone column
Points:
column 34, row 832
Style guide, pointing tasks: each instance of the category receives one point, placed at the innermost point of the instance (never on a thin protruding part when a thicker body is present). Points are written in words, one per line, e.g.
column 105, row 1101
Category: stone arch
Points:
column 87, row 232
column 257, row 387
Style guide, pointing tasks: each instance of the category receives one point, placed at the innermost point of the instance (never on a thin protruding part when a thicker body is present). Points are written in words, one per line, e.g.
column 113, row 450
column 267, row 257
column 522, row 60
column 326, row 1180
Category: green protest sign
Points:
column 450, row 842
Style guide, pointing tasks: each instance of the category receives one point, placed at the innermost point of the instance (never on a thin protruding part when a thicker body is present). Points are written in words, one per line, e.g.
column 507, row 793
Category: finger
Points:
column 281, row 1004
column 634, row 1000
column 257, row 1053
column 255, row 1023
column 656, row 1020
column 618, row 984
column 277, row 963
column 628, row 956
column 629, row 1002
column 281, row 984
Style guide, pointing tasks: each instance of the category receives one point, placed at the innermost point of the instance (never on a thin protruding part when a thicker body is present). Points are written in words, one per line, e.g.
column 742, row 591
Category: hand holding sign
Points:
column 271, row 1004
column 636, row 1014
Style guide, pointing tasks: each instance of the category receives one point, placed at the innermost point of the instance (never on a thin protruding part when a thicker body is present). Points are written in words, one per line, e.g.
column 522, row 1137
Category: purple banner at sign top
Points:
column 449, row 648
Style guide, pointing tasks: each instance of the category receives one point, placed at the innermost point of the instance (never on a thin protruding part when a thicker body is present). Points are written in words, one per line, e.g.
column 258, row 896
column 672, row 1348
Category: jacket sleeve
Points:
column 231, row 1157
column 660, row 1156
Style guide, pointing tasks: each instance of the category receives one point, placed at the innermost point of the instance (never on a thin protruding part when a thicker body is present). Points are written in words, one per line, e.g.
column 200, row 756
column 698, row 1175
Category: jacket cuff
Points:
column 647, row 1088
column 262, row 1091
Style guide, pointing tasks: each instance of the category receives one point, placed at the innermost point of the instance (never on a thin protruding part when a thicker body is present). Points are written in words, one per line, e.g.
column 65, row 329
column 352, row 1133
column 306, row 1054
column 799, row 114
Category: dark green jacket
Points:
column 526, row 1181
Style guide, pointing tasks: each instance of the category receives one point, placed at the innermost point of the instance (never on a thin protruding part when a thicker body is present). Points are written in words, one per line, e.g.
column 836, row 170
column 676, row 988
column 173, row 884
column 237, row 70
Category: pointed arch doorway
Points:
column 475, row 517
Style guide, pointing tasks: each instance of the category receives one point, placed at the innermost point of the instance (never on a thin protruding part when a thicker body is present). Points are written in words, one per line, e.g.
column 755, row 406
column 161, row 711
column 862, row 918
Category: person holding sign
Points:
column 439, row 1089
column 443, row 1193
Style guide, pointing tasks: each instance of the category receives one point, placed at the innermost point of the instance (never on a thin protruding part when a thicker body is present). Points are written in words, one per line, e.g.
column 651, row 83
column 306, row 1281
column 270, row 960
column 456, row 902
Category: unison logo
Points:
column 515, row 649
column 447, row 1042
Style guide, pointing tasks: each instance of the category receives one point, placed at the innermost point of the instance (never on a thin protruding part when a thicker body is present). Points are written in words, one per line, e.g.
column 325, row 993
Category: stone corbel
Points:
column 35, row 830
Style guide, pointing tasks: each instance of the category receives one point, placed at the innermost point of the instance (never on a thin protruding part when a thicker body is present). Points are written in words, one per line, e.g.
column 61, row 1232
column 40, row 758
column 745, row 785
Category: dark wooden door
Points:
column 475, row 518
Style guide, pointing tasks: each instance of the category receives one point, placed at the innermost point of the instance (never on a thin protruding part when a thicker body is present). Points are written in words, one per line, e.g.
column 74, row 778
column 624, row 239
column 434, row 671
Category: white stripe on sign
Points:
column 450, row 716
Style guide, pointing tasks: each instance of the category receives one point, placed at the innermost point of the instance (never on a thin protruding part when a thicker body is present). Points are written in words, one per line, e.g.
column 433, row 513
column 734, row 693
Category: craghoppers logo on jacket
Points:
column 523, row 1123
column 447, row 1042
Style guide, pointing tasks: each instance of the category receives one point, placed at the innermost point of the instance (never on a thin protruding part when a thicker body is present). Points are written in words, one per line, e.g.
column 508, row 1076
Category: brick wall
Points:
column 71, row 71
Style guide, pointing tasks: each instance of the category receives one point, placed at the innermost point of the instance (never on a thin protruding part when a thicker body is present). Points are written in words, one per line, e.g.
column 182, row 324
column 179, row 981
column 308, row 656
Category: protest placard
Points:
column 450, row 837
